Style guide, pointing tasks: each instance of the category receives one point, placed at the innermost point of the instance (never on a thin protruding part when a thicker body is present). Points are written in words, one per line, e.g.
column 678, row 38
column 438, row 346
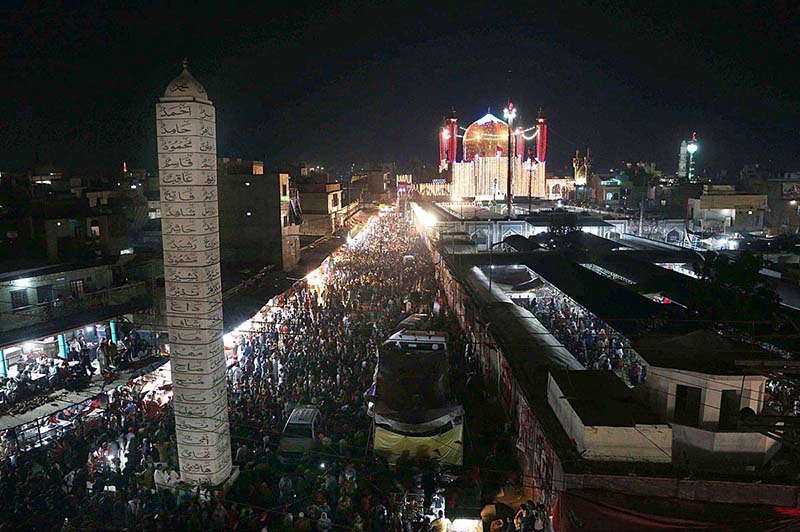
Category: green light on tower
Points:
column 692, row 149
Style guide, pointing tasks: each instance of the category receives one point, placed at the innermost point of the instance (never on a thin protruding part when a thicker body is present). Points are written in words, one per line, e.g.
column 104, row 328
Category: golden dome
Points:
column 485, row 137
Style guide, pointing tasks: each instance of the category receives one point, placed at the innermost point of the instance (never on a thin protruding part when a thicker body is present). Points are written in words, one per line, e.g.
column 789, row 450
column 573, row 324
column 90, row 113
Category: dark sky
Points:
column 313, row 81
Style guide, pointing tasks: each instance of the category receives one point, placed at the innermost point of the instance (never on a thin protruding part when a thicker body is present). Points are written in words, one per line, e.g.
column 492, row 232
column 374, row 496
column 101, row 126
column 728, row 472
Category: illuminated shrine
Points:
column 483, row 169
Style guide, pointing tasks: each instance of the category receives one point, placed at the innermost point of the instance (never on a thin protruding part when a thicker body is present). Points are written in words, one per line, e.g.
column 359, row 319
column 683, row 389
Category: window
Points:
column 285, row 221
column 44, row 293
column 94, row 229
column 19, row 298
column 76, row 288
column 334, row 200
column 284, row 189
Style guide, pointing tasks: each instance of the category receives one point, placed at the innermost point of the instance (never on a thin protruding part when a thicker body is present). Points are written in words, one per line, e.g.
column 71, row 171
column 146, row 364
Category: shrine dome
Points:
column 185, row 86
column 485, row 137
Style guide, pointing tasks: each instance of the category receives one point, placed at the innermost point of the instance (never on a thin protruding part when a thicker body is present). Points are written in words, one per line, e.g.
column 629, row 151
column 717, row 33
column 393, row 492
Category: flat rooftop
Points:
column 601, row 399
column 703, row 351
column 48, row 269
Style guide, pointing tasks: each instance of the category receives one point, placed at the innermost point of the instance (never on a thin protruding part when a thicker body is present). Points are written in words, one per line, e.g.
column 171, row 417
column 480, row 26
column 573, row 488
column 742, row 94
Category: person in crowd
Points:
column 441, row 523
column 317, row 345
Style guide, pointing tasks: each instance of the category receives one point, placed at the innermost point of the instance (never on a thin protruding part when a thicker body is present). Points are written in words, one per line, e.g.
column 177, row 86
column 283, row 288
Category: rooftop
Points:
column 48, row 269
column 601, row 399
column 702, row 351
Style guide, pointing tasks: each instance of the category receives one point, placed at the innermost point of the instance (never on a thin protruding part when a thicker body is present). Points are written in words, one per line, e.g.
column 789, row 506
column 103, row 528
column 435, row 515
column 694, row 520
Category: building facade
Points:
column 259, row 215
column 721, row 209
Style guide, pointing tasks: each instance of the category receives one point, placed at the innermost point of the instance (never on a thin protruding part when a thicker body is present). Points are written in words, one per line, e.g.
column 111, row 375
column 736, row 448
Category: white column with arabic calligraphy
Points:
column 187, row 166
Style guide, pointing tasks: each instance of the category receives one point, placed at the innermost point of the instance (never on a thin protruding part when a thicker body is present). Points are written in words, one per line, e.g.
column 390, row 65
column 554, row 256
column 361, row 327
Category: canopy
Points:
column 447, row 447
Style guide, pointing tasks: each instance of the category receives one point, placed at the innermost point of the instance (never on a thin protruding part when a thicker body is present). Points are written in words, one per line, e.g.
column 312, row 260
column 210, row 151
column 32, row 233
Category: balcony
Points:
column 43, row 319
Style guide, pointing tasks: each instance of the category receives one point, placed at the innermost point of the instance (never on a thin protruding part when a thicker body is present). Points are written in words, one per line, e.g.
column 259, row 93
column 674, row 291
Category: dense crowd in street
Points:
column 317, row 346
column 37, row 375
column 591, row 341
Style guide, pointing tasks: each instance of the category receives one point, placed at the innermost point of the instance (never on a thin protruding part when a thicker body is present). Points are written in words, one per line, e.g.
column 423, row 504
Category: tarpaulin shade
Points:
column 447, row 447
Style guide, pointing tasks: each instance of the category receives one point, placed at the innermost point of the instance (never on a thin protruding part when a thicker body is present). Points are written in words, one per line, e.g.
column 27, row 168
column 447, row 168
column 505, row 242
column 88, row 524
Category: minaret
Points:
column 448, row 139
column 541, row 153
column 683, row 157
column 187, row 167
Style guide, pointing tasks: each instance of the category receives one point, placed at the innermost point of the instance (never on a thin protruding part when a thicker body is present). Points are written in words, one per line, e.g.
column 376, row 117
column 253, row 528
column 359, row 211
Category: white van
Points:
column 300, row 432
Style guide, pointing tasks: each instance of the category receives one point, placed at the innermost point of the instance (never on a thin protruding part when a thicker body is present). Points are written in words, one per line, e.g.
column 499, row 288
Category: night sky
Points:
column 354, row 82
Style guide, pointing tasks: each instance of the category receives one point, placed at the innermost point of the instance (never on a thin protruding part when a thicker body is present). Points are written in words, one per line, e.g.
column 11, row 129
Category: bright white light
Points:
column 133, row 187
column 749, row 212
column 467, row 525
column 427, row 219
column 28, row 346
column 247, row 183
column 58, row 224
column 245, row 326
column 509, row 113
column 322, row 465
column 692, row 147
column 793, row 202
column 23, row 283
column 248, row 213
column 89, row 329
column 315, row 280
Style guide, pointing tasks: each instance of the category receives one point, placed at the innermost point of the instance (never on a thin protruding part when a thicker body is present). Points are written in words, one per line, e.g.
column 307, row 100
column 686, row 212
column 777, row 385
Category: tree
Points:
column 733, row 292
column 643, row 180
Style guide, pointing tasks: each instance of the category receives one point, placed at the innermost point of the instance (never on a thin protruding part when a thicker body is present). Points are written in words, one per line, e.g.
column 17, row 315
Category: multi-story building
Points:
column 259, row 215
column 721, row 209
column 783, row 198
column 325, row 207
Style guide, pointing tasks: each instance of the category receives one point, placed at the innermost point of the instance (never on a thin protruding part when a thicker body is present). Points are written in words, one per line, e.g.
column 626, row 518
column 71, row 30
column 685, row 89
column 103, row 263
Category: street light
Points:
column 510, row 113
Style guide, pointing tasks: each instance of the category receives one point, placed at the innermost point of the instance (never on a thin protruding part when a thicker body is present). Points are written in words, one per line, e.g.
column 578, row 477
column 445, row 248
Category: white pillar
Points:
column 187, row 162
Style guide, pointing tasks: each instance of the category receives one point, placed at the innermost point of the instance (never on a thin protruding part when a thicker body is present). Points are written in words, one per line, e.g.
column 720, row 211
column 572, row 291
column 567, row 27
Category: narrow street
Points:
column 316, row 346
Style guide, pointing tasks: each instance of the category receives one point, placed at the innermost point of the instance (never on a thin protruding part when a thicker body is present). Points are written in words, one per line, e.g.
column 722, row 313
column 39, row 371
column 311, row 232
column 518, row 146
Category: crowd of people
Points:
column 783, row 396
column 38, row 374
column 590, row 340
column 317, row 346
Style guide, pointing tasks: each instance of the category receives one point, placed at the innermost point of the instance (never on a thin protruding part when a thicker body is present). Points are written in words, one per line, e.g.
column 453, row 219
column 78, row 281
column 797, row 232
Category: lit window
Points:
column 76, row 287
column 94, row 229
